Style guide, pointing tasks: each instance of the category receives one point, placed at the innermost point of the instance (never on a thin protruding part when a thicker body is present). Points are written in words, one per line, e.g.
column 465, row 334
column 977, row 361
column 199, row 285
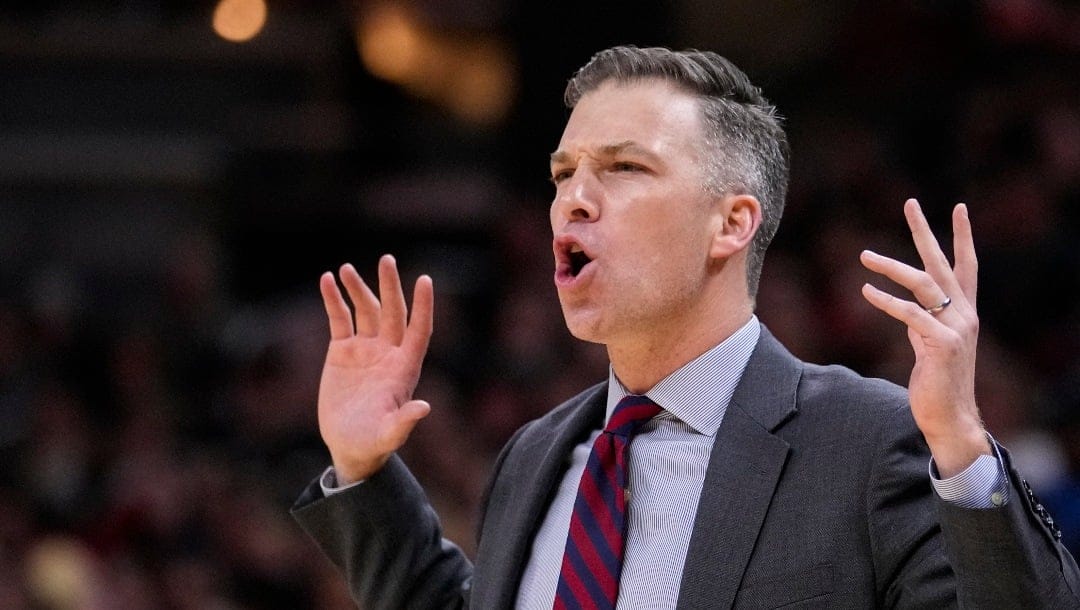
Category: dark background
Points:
column 168, row 200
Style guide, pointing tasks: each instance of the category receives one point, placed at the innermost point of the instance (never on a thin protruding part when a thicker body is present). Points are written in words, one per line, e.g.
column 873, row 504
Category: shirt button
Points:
column 996, row 498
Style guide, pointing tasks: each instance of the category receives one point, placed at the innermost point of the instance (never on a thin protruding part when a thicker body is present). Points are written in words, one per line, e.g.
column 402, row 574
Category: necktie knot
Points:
column 629, row 415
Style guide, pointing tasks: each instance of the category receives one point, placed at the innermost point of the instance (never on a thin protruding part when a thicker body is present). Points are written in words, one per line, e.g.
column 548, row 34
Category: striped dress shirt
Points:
column 666, row 463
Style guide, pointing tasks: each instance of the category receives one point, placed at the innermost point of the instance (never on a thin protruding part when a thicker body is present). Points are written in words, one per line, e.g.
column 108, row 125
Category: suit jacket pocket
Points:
column 802, row 590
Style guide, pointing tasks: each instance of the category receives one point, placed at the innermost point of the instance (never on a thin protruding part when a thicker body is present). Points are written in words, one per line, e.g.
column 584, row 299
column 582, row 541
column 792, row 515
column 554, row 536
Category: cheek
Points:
column 660, row 267
column 673, row 239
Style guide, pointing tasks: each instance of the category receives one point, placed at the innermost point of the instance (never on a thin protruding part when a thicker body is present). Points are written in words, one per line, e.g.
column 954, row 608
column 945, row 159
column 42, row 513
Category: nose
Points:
column 577, row 199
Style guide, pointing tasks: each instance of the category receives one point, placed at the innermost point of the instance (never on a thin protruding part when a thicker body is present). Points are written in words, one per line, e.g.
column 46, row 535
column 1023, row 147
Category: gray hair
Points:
column 746, row 149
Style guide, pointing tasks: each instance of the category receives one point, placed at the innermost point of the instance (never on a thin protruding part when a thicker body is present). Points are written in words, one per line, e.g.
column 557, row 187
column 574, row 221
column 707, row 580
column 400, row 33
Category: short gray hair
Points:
column 747, row 149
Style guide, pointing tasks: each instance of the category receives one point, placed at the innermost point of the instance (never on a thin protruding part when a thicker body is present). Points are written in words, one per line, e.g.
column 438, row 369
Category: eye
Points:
column 626, row 166
column 562, row 174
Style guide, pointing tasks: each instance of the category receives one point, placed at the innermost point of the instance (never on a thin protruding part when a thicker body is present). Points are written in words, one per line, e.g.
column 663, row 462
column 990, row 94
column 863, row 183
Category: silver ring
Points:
column 940, row 307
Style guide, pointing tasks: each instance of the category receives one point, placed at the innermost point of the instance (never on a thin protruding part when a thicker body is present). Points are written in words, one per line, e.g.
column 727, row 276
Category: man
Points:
column 763, row 481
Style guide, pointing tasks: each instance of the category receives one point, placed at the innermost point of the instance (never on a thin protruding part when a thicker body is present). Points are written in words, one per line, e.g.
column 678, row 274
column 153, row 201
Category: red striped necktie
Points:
column 594, row 548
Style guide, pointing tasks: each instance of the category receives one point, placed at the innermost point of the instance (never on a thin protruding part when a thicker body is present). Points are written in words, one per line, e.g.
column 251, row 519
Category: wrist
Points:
column 954, row 451
column 346, row 473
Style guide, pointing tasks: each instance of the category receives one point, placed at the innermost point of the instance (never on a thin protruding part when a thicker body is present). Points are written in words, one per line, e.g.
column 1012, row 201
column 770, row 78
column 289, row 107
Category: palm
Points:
column 363, row 380
column 366, row 410
column 943, row 374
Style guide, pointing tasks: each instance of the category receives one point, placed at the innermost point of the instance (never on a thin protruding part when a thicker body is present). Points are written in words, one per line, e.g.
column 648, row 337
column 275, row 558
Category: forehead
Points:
column 651, row 113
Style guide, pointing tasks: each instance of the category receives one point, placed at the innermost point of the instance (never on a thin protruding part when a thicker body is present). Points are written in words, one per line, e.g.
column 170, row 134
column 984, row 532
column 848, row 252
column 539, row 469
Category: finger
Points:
column 933, row 259
column 367, row 309
column 337, row 310
column 912, row 314
column 967, row 266
column 392, row 320
column 418, row 334
column 926, row 290
column 399, row 423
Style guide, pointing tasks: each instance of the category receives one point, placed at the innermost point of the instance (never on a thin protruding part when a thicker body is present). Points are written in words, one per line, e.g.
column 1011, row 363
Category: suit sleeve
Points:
column 930, row 553
column 386, row 538
column 1010, row 556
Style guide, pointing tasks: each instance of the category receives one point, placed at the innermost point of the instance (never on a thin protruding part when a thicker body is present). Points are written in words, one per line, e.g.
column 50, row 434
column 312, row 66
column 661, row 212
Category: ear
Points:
column 737, row 220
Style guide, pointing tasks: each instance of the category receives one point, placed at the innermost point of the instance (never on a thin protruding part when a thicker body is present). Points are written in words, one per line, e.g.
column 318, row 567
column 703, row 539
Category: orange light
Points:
column 483, row 86
column 239, row 20
column 391, row 44
column 472, row 76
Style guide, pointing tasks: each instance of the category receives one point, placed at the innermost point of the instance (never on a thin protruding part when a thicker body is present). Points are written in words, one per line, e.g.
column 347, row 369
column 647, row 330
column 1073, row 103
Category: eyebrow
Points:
column 607, row 150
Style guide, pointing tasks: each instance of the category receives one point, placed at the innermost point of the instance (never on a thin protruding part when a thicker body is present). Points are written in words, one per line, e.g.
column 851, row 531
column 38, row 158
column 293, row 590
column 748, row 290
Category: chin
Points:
column 583, row 326
column 588, row 337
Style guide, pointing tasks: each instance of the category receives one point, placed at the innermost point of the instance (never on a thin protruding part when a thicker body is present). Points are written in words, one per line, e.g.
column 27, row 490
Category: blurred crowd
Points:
column 154, row 432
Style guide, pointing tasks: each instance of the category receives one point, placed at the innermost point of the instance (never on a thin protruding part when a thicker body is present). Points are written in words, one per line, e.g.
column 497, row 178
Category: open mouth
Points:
column 578, row 260
column 571, row 259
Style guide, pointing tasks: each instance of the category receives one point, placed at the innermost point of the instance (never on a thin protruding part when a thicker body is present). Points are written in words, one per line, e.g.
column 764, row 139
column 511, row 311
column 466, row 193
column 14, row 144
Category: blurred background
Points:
column 174, row 177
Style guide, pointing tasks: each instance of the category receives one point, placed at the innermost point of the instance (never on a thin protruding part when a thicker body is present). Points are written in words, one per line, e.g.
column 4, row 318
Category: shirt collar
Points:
column 698, row 392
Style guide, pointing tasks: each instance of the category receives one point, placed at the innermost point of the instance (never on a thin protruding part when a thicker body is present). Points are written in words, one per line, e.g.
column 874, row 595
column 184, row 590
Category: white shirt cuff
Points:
column 983, row 484
column 328, row 483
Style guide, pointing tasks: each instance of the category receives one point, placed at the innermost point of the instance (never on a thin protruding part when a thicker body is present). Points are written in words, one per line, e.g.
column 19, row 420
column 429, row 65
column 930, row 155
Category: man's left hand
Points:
column 943, row 328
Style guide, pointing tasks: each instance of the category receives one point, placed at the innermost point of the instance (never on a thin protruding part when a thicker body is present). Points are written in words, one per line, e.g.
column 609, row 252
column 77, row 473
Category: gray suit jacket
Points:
column 817, row 495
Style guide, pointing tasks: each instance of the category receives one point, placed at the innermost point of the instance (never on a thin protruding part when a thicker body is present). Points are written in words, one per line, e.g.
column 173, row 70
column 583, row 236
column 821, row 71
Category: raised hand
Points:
column 943, row 328
column 366, row 408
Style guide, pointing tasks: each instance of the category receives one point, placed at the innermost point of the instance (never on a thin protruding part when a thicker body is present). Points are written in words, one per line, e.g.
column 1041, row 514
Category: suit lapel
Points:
column 744, row 468
column 528, row 481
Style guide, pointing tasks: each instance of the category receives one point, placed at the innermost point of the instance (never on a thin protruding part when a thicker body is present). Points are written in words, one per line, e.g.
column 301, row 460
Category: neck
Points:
column 642, row 362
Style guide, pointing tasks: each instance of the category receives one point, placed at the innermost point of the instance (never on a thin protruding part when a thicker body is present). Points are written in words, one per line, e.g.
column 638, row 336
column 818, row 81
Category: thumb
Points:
column 400, row 423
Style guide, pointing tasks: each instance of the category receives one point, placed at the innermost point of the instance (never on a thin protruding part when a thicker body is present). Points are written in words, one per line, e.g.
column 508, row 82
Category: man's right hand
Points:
column 366, row 408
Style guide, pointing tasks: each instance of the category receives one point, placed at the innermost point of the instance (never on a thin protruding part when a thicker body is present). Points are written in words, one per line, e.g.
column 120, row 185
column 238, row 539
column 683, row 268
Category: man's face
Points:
column 631, row 217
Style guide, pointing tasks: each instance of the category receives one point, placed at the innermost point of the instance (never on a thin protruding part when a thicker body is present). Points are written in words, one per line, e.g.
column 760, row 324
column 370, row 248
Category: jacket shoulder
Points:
column 838, row 385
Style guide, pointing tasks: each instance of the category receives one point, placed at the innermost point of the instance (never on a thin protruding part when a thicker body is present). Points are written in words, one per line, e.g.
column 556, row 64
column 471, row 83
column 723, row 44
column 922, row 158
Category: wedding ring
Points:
column 940, row 307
